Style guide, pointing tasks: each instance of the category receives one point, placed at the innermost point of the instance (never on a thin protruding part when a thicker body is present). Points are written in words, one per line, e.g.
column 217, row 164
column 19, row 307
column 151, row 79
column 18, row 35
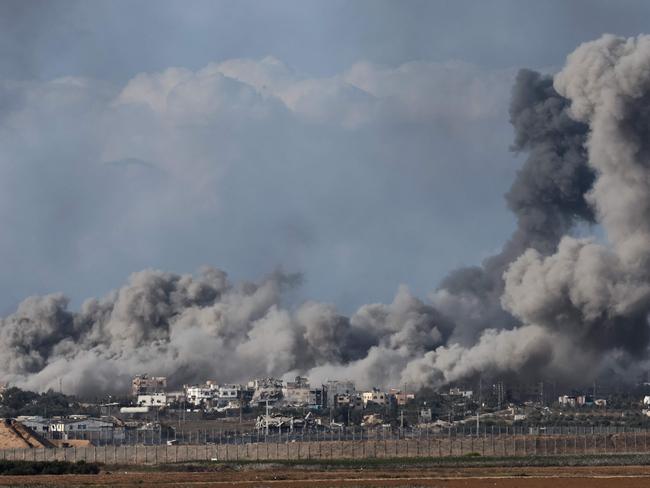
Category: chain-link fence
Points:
column 152, row 447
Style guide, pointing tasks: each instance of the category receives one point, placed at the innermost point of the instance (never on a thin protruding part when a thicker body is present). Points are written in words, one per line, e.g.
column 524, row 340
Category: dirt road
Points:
column 573, row 477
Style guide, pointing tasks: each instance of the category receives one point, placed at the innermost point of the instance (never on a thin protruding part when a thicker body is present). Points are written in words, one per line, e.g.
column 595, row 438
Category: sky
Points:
column 364, row 144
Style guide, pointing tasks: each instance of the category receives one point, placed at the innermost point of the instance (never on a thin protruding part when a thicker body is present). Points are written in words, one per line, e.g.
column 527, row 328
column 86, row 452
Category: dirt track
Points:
column 573, row 477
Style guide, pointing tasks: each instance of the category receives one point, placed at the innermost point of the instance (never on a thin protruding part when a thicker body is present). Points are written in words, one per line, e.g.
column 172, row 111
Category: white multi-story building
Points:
column 199, row 394
column 228, row 392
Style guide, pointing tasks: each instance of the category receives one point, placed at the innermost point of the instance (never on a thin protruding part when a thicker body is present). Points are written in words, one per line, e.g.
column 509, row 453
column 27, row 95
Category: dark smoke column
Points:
column 547, row 197
column 600, row 294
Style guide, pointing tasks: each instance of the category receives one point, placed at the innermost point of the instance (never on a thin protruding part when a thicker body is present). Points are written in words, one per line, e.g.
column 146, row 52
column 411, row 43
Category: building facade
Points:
column 144, row 384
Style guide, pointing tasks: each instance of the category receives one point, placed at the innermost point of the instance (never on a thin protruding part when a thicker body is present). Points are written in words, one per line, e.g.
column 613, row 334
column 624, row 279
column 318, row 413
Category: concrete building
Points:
column 425, row 415
column 73, row 427
column 347, row 400
column 266, row 389
column 401, row 397
column 144, row 384
column 336, row 388
column 198, row 395
column 374, row 397
column 299, row 392
column 572, row 400
column 229, row 392
column 158, row 400
column 175, row 396
column 461, row 392
column 35, row 422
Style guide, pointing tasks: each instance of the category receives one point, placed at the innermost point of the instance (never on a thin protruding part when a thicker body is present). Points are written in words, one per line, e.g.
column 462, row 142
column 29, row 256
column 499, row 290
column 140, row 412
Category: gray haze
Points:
column 370, row 155
column 565, row 302
column 73, row 221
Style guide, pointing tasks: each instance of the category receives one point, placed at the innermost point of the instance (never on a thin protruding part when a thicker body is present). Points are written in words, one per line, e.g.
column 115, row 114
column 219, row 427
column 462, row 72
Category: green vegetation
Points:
column 15, row 401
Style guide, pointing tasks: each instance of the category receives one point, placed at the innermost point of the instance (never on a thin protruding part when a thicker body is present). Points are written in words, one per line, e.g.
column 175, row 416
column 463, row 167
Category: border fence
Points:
column 205, row 445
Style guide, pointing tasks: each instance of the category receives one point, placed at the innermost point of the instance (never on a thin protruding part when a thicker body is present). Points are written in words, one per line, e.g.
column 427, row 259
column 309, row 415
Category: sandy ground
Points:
column 572, row 477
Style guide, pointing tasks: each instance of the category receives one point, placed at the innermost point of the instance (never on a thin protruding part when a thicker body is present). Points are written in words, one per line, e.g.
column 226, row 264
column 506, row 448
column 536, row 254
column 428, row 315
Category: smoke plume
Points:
column 547, row 198
column 549, row 304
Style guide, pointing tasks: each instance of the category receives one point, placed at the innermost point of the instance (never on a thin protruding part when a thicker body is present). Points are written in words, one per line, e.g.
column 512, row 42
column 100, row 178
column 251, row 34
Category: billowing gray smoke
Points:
column 547, row 197
column 548, row 304
column 200, row 327
column 586, row 303
column 596, row 293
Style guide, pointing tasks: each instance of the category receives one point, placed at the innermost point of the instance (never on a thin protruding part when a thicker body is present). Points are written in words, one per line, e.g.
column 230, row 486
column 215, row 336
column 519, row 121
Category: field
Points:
column 390, row 473
column 596, row 477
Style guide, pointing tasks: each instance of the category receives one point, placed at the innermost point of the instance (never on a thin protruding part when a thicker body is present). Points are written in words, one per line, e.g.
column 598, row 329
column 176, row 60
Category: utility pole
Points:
column 267, row 417
column 404, row 406
column 241, row 400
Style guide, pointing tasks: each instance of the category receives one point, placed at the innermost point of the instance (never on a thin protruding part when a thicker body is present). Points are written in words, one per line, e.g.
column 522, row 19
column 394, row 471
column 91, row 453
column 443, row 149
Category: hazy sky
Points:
column 364, row 144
